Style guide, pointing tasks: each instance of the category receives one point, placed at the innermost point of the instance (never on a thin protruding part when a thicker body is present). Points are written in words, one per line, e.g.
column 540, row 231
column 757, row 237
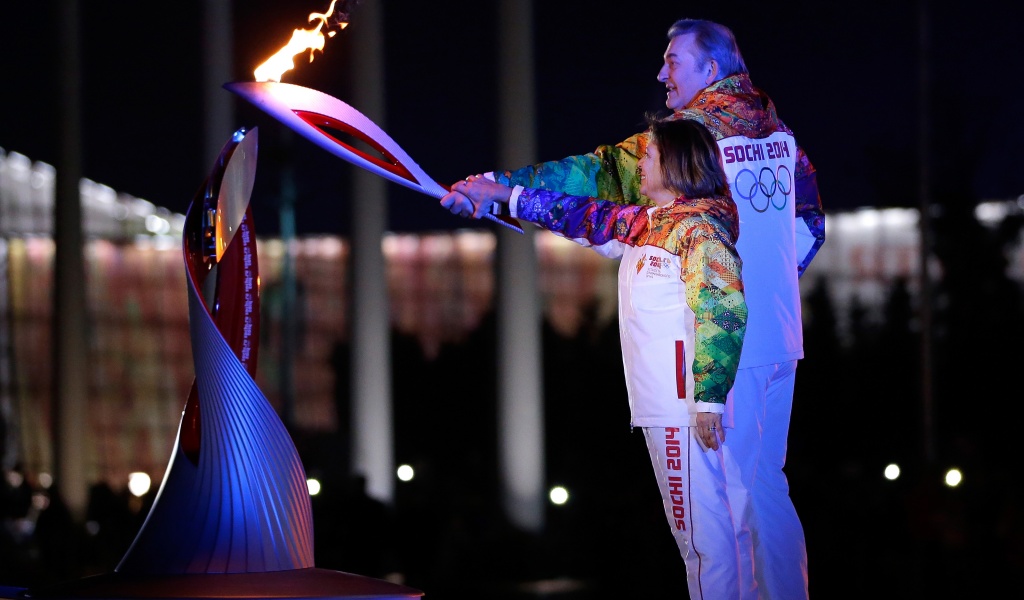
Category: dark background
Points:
column 846, row 77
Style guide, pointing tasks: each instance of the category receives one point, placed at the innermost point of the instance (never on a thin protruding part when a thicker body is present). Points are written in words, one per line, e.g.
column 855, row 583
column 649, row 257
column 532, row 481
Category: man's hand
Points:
column 458, row 204
column 474, row 196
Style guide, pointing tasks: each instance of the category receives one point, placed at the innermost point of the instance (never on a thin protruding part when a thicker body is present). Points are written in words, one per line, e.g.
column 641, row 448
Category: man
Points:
column 782, row 226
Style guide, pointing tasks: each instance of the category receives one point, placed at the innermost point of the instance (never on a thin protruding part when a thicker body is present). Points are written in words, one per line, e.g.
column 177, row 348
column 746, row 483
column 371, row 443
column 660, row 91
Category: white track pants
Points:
column 755, row 453
column 693, row 489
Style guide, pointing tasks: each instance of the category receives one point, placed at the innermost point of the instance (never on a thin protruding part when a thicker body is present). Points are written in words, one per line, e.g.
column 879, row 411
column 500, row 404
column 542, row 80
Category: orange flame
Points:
column 302, row 40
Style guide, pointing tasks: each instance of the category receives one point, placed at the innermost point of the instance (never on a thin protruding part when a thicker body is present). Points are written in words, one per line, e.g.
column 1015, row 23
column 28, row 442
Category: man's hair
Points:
column 713, row 41
column 689, row 156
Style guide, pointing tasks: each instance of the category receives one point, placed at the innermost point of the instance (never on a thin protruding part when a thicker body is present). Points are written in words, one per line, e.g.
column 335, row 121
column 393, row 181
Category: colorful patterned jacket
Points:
column 782, row 224
column 682, row 314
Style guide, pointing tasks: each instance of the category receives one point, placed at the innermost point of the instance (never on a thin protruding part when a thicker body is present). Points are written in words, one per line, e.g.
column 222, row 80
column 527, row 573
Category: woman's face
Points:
column 652, row 182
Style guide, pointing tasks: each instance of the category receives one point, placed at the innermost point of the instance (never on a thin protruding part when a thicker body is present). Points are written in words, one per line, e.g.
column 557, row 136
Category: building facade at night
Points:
column 441, row 287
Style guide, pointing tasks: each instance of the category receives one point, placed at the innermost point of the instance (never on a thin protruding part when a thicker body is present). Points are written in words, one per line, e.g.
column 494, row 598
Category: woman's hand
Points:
column 473, row 196
column 709, row 429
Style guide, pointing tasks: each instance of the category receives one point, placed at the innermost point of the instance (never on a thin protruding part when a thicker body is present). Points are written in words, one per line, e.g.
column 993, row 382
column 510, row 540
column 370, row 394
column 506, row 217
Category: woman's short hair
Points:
column 690, row 160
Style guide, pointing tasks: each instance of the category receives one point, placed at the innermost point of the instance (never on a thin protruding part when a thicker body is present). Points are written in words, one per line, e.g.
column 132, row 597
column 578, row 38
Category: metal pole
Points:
column 520, row 376
column 218, row 107
column 372, row 419
column 71, row 378
column 927, row 403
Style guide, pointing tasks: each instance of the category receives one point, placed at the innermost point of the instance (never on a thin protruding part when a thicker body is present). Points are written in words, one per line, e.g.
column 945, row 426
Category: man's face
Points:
column 682, row 76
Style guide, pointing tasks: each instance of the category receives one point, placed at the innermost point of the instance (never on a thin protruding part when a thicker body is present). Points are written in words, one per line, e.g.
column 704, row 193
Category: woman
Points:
column 682, row 317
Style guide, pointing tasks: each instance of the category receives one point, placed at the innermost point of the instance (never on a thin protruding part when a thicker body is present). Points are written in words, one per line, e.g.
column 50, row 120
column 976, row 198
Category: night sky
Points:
column 845, row 77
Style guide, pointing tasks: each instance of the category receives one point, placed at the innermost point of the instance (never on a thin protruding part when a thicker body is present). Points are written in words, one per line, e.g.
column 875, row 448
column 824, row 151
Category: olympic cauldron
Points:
column 233, row 517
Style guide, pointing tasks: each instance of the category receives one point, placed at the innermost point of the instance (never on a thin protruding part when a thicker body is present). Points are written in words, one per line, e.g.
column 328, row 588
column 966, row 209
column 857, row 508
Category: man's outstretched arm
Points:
column 609, row 173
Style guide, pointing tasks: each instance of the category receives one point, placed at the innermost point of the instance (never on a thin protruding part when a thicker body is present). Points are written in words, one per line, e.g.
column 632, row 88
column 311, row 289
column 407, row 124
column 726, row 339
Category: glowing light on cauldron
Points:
column 302, row 40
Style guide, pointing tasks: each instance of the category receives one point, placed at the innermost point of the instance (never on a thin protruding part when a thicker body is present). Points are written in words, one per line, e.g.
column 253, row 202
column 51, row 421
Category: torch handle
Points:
column 510, row 225
column 505, row 221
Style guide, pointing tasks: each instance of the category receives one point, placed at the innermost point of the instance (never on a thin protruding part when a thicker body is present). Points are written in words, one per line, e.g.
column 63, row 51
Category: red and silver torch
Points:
column 322, row 118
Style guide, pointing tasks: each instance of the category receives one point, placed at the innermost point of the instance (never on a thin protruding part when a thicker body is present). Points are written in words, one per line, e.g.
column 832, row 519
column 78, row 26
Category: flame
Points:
column 302, row 39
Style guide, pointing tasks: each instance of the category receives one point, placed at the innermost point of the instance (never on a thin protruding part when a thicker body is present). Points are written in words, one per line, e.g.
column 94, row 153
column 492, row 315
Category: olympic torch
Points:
column 326, row 120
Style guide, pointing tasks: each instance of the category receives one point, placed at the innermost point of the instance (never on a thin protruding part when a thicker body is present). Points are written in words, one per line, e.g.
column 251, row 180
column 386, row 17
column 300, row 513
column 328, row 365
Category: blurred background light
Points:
column 138, row 484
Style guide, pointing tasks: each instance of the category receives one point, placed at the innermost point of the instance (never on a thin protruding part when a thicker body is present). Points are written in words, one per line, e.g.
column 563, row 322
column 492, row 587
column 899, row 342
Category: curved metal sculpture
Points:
column 234, row 498
column 232, row 518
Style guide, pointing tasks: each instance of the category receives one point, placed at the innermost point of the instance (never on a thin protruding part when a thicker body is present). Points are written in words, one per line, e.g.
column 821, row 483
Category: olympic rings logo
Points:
column 764, row 184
